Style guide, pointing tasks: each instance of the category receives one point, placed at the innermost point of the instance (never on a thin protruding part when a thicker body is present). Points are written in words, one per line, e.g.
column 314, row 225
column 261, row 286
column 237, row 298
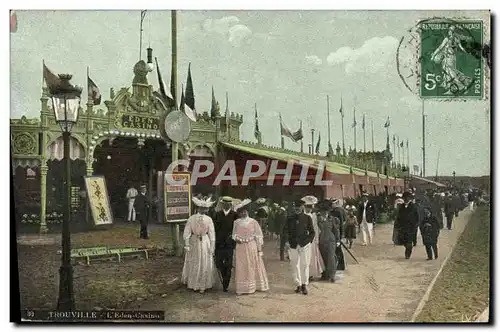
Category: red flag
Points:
column 13, row 21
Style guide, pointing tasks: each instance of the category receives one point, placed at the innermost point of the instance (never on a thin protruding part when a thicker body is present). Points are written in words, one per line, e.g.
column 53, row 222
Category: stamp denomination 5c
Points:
column 451, row 63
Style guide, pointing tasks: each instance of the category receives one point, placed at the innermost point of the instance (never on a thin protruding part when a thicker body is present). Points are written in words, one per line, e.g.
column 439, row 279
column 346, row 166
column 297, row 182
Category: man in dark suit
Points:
column 449, row 210
column 142, row 204
column 366, row 218
column 224, row 244
column 407, row 224
column 300, row 233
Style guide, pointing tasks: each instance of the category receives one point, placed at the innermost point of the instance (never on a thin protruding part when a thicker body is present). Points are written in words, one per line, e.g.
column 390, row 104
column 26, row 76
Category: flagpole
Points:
column 407, row 153
column 281, row 133
column 88, row 75
column 399, row 152
column 373, row 145
column 423, row 138
column 342, row 120
column 354, row 125
column 364, row 134
column 394, row 147
column 328, row 114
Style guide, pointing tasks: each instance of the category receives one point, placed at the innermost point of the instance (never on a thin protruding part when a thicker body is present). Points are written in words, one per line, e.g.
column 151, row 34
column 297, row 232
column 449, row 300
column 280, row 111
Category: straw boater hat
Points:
column 309, row 200
column 226, row 199
column 364, row 194
column 243, row 204
column 204, row 203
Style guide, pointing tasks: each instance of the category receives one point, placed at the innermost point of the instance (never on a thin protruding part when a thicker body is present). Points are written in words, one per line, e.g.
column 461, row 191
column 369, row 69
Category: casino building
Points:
column 123, row 141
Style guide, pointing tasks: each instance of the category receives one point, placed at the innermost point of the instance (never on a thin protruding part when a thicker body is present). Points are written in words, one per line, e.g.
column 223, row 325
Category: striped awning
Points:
column 330, row 166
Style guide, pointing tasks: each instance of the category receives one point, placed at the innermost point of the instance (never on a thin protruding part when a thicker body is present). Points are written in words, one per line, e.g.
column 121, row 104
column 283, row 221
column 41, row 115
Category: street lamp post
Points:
column 66, row 104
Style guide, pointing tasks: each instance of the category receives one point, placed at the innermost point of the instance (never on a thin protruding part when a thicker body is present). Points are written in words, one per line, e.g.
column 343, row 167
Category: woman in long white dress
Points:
column 199, row 246
column 250, row 272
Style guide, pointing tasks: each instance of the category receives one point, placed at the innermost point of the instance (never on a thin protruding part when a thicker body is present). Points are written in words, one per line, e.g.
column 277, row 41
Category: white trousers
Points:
column 367, row 229
column 300, row 259
column 471, row 205
column 131, row 210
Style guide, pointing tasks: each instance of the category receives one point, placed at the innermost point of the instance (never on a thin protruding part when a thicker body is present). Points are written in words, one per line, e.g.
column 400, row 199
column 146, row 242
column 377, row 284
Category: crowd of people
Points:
column 313, row 235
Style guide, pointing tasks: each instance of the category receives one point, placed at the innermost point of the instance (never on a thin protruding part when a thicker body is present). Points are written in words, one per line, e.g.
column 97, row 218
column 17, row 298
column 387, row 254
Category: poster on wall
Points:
column 97, row 194
column 177, row 198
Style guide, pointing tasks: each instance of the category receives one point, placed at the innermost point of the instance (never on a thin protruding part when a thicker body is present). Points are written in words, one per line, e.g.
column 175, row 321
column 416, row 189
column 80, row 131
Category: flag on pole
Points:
column 13, row 21
column 51, row 79
column 257, row 133
column 189, row 107
column 93, row 91
column 387, row 123
column 402, row 144
column 341, row 110
column 363, row 124
column 166, row 94
column 213, row 109
column 182, row 105
column 285, row 131
column 317, row 144
column 298, row 134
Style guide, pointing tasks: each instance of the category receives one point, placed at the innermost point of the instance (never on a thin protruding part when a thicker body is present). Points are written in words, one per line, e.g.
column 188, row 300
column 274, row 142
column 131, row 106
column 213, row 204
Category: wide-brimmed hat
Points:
column 309, row 200
column 204, row 203
column 243, row 204
column 226, row 199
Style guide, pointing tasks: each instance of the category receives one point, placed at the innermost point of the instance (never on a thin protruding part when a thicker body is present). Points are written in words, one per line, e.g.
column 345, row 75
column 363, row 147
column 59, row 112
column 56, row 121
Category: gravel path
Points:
column 383, row 287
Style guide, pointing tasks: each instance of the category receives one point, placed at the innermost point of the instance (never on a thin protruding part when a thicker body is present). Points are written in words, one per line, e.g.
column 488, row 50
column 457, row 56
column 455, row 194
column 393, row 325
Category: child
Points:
column 430, row 233
column 351, row 224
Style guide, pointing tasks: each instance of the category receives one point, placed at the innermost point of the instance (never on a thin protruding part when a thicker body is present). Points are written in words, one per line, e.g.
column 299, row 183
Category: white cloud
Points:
column 374, row 56
column 313, row 60
column 238, row 34
column 228, row 26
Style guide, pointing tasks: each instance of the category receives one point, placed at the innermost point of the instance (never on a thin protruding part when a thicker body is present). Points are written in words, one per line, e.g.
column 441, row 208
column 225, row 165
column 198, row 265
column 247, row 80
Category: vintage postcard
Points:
column 175, row 166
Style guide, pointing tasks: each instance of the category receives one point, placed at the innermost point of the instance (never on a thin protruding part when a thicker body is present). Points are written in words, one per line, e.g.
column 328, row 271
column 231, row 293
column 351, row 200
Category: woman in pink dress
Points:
column 250, row 273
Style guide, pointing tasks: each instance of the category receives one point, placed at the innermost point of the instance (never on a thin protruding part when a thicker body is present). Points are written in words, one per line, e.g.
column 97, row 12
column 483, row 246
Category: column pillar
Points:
column 43, row 197
column 90, row 171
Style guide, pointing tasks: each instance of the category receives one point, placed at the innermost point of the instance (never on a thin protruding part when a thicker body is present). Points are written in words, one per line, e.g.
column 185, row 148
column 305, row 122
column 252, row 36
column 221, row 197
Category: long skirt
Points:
column 316, row 265
column 250, row 272
column 350, row 231
column 340, row 258
column 198, row 270
column 328, row 254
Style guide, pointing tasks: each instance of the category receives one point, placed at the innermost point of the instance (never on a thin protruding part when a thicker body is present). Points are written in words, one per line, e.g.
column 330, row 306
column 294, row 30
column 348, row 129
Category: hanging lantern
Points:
column 150, row 59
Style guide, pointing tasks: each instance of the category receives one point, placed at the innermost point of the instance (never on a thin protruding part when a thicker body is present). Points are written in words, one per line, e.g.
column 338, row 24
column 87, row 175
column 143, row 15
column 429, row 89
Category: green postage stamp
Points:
column 451, row 60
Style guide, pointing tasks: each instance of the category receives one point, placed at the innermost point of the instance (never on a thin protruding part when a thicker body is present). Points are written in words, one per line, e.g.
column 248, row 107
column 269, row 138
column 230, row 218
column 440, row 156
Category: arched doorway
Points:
column 130, row 161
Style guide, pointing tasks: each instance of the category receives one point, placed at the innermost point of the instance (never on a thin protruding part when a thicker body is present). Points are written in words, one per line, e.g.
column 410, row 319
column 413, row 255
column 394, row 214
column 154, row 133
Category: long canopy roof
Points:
column 330, row 166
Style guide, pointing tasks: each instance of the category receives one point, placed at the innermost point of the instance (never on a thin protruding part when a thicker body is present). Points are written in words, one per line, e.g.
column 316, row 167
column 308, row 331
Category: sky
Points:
column 284, row 61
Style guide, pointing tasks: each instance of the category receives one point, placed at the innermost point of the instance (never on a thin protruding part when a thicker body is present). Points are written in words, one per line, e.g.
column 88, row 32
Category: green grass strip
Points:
column 461, row 291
